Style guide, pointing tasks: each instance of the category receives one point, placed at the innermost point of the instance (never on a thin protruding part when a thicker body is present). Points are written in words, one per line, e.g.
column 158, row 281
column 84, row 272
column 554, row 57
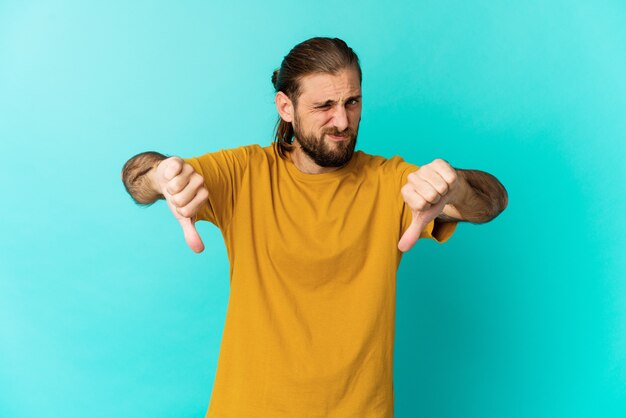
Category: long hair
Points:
column 315, row 55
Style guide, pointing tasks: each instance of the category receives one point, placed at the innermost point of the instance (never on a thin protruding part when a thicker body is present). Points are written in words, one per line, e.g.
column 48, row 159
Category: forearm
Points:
column 480, row 197
column 138, row 177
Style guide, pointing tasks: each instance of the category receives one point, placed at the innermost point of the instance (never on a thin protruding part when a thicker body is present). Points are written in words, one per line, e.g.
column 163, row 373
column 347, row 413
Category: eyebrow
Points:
column 330, row 102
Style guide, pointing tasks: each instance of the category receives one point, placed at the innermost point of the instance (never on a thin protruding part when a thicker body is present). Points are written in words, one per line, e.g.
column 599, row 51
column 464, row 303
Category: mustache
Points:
column 337, row 132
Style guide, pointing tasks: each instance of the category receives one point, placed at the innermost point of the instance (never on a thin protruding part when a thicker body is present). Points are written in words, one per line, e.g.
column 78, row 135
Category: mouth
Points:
column 338, row 138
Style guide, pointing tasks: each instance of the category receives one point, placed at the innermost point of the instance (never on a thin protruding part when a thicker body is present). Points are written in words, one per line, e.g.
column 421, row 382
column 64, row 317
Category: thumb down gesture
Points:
column 426, row 192
column 185, row 193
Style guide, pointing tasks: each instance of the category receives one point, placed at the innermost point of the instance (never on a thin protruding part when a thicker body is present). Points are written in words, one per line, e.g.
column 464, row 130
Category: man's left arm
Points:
column 437, row 191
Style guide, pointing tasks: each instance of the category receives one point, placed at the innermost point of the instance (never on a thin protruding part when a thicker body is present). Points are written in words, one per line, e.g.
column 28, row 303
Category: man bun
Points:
column 275, row 78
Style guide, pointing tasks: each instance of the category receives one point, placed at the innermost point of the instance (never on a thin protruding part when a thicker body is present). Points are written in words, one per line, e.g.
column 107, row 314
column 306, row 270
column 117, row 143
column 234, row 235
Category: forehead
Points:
column 325, row 86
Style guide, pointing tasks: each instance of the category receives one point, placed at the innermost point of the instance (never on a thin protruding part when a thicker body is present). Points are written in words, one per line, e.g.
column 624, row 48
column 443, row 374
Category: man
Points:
column 315, row 232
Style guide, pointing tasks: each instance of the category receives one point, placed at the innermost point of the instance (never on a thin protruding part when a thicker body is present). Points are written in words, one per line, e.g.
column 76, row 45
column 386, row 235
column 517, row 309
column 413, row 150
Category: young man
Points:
column 315, row 232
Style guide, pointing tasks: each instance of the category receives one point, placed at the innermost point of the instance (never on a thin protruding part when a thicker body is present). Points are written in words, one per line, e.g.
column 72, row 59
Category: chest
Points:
column 318, row 223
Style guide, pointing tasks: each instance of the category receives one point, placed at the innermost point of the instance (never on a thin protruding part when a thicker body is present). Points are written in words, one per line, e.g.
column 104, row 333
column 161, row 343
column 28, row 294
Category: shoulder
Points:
column 383, row 165
column 239, row 154
column 245, row 151
column 228, row 159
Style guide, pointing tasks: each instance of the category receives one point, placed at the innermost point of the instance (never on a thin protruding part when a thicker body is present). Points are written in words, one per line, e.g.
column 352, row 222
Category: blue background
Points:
column 104, row 311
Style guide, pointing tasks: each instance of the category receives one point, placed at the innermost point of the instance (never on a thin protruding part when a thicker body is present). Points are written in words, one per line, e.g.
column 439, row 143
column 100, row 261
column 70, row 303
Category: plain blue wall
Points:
column 104, row 311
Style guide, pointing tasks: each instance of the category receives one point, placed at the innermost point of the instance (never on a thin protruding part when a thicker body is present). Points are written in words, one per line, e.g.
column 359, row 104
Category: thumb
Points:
column 412, row 234
column 191, row 235
column 419, row 222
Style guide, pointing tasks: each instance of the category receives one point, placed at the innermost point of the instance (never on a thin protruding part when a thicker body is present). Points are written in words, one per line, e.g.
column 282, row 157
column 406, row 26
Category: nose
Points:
column 340, row 118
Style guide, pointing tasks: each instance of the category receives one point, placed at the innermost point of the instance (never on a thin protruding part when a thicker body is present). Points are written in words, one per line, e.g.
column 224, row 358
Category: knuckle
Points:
column 203, row 193
column 420, row 203
column 173, row 165
column 436, row 165
column 405, row 190
column 441, row 162
column 183, row 182
column 177, row 200
column 439, row 186
column 186, row 212
column 197, row 179
column 175, row 161
column 188, row 168
column 412, row 176
column 174, row 185
column 428, row 169
column 431, row 195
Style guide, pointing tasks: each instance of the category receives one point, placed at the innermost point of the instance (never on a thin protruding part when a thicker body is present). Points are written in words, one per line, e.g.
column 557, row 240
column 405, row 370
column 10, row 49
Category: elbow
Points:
column 500, row 201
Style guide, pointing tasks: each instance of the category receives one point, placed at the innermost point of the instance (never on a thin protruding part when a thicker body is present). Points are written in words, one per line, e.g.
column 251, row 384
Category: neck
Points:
column 305, row 164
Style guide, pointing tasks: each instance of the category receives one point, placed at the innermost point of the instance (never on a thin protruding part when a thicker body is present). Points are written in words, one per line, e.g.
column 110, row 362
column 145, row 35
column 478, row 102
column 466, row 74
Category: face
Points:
column 327, row 117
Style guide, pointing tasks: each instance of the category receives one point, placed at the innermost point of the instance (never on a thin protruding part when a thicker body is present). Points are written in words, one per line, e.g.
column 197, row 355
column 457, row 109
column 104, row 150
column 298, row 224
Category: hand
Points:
column 185, row 193
column 426, row 192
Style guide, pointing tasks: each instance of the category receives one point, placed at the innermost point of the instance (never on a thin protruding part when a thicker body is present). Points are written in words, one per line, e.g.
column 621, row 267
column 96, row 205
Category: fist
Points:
column 426, row 192
column 185, row 194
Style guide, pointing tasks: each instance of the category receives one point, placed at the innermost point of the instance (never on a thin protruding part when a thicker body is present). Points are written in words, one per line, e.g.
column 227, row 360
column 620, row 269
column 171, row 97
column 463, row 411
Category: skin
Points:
column 327, row 116
column 327, row 104
column 184, row 192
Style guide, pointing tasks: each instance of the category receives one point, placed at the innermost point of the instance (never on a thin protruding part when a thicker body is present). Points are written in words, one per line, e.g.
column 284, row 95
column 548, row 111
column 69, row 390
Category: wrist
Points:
column 460, row 190
column 152, row 178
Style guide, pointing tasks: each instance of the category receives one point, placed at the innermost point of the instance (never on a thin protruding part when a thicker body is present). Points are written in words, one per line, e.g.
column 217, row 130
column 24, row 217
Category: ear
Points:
column 284, row 106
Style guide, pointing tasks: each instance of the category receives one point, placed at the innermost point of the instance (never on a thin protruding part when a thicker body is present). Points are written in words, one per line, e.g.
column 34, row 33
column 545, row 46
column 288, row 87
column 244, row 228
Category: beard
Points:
column 324, row 155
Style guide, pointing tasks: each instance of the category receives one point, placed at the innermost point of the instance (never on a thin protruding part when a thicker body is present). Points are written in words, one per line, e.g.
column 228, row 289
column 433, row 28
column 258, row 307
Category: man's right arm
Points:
column 150, row 176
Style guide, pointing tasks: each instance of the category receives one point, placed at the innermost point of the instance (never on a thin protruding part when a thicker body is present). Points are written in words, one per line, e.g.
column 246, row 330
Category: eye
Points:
column 353, row 102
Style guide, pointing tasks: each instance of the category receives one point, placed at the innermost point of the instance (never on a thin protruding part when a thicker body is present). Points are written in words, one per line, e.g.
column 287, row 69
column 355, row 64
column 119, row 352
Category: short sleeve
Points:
column 222, row 172
column 435, row 229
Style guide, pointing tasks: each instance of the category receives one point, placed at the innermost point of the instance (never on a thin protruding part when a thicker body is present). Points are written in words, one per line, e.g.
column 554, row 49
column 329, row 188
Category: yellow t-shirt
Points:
column 309, row 329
